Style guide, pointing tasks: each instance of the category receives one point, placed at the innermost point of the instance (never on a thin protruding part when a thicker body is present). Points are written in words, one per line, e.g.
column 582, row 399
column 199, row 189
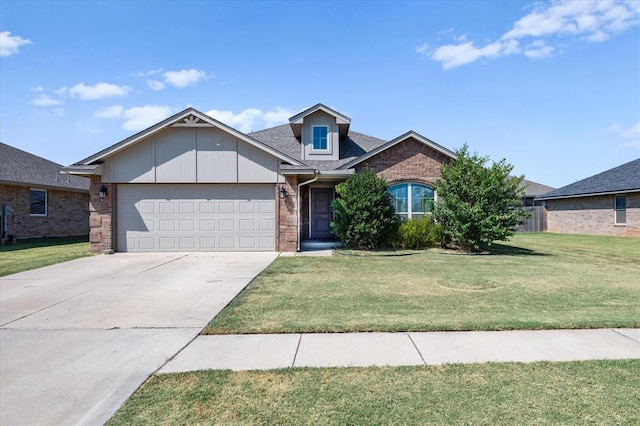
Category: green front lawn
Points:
column 32, row 254
column 591, row 392
column 536, row 281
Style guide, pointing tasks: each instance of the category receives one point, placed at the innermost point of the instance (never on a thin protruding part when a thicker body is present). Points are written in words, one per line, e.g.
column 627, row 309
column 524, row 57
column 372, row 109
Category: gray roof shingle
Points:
column 282, row 139
column 624, row 178
column 533, row 189
column 22, row 168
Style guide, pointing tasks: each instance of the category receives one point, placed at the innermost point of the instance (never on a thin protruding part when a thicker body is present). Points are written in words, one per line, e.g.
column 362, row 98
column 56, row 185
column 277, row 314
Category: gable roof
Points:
column 410, row 134
column 19, row 167
column 189, row 116
column 284, row 140
column 533, row 189
column 342, row 120
column 624, row 178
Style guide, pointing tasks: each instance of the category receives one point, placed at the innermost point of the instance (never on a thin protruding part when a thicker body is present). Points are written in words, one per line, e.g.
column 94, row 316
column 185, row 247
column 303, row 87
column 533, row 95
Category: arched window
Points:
column 412, row 200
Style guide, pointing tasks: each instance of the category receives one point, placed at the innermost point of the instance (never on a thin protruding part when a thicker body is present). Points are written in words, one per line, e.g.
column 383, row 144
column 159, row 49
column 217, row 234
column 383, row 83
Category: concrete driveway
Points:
column 78, row 338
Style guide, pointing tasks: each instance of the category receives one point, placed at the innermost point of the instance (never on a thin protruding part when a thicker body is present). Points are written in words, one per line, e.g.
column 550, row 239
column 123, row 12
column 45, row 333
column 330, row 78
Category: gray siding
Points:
column 191, row 155
column 320, row 118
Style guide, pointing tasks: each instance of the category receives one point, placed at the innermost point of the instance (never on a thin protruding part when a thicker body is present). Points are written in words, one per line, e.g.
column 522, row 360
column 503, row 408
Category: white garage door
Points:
column 202, row 217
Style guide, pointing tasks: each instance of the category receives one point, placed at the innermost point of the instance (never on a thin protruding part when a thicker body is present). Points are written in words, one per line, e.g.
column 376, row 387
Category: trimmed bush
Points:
column 364, row 215
column 420, row 233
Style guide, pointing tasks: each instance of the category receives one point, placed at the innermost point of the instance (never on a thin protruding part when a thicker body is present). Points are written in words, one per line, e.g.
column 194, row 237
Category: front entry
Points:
column 321, row 213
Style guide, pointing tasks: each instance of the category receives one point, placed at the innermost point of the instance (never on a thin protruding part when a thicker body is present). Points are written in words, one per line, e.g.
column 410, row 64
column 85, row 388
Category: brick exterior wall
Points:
column 287, row 222
column 592, row 216
column 100, row 217
column 409, row 160
column 67, row 213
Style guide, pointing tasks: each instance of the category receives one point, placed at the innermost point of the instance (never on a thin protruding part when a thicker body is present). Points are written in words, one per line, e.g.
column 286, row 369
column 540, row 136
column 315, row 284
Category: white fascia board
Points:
column 82, row 170
column 402, row 138
column 176, row 118
column 299, row 118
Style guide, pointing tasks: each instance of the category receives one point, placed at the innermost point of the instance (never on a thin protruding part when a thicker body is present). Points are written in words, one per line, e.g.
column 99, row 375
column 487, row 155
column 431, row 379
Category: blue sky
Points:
column 553, row 87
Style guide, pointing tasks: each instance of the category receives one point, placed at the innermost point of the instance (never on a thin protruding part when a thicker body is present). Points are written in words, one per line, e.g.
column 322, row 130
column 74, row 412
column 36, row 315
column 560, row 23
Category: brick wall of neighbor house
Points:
column 287, row 236
column 408, row 161
column 67, row 213
column 592, row 216
column 100, row 217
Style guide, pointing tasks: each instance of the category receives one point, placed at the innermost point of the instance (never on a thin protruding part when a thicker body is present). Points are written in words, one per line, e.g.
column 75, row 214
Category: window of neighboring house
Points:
column 38, row 202
column 320, row 142
column 412, row 200
column 621, row 209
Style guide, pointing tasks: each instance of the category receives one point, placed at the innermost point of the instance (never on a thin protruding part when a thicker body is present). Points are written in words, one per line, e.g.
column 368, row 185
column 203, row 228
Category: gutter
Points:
column 317, row 175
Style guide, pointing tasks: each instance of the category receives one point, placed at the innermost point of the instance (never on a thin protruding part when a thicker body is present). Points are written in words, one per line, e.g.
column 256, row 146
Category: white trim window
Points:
column 320, row 138
column 620, row 208
column 37, row 202
column 412, row 200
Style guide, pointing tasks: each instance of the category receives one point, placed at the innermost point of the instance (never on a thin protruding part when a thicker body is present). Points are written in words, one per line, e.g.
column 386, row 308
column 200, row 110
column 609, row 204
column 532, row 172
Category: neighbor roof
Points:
column 19, row 167
column 624, row 178
column 533, row 189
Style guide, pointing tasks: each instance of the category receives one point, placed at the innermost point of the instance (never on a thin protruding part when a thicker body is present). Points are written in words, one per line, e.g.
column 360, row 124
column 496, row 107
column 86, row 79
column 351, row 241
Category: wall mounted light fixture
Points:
column 102, row 192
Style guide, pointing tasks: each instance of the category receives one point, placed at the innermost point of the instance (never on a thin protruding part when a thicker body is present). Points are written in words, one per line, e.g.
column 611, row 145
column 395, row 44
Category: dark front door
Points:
column 321, row 212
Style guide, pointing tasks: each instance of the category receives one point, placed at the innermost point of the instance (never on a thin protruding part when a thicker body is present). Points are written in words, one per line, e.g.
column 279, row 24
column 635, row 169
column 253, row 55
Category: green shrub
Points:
column 363, row 212
column 420, row 233
column 477, row 204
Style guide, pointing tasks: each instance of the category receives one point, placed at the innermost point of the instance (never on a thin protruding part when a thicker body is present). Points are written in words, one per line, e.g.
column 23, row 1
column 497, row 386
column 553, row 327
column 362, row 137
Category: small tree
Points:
column 476, row 204
column 364, row 214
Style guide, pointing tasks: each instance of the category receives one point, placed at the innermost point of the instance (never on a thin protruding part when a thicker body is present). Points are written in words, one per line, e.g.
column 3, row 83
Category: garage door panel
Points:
column 179, row 217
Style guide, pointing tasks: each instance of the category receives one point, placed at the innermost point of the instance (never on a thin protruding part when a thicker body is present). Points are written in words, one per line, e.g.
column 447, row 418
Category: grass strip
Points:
column 589, row 392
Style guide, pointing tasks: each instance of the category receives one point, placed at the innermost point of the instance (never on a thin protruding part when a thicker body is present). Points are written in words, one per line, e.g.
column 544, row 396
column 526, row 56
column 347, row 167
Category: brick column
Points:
column 100, row 212
column 287, row 235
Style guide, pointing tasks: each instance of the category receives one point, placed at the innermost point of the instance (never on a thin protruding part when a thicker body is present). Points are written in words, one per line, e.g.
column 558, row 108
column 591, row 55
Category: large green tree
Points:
column 364, row 217
column 477, row 204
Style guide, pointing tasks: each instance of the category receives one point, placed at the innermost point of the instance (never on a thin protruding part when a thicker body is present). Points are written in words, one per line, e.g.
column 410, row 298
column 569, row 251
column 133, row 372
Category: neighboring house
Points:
column 604, row 204
column 192, row 183
column 37, row 200
column 537, row 219
column 533, row 190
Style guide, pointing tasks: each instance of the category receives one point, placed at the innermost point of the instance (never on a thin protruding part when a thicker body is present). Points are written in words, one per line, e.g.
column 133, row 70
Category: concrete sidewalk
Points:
column 269, row 351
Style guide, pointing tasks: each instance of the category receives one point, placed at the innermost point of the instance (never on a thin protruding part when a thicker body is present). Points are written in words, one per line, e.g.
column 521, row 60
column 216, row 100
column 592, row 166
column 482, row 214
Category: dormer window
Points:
column 320, row 142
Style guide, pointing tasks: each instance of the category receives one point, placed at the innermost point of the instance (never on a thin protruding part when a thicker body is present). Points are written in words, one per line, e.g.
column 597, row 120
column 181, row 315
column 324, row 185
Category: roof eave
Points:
column 173, row 119
column 393, row 142
column 590, row 194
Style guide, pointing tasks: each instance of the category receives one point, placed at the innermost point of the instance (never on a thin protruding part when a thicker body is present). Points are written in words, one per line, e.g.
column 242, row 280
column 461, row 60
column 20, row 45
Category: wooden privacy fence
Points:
column 537, row 222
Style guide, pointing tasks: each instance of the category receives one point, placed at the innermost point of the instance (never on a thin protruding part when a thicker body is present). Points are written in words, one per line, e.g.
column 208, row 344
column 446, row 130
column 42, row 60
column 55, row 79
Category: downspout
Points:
column 298, row 210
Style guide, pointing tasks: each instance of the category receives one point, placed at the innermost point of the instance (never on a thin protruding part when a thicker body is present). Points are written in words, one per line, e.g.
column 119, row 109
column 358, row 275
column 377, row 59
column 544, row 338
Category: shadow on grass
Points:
column 497, row 250
column 42, row 242
column 505, row 250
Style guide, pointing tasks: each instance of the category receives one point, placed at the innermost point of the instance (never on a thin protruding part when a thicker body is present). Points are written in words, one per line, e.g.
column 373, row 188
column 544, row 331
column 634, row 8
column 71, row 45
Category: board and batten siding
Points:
column 191, row 155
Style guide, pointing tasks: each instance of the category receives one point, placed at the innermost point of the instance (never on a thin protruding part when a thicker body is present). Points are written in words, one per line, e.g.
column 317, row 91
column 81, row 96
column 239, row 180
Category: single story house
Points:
column 532, row 190
column 192, row 183
column 38, row 200
column 604, row 204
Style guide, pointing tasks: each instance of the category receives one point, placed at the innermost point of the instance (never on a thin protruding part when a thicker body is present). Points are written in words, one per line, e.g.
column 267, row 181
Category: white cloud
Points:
column 632, row 134
column 252, row 119
column 591, row 20
column 10, row 45
column 62, row 91
column 114, row 111
column 59, row 112
column 454, row 55
column 155, row 84
column 539, row 50
column 38, row 89
column 97, row 91
column 45, row 100
column 184, row 78
column 139, row 118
